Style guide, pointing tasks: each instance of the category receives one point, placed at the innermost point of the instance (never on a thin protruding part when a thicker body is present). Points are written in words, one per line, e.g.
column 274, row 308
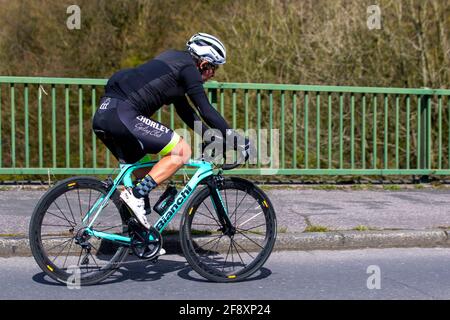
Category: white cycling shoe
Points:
column 136, row 205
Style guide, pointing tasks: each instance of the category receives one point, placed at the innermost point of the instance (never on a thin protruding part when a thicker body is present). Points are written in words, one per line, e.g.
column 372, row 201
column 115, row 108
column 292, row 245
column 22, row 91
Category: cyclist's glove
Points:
column 243, row 146
column 245, row 149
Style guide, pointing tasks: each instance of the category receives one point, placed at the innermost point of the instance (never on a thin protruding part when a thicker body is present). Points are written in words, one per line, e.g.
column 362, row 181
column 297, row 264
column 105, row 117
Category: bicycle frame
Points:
column 205, row 170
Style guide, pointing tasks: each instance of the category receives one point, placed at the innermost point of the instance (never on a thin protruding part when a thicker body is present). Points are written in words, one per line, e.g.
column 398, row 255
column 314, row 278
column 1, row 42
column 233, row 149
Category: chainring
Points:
column 141, row 245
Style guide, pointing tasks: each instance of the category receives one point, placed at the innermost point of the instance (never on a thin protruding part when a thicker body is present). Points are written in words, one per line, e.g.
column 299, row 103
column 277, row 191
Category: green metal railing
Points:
column 45, row 127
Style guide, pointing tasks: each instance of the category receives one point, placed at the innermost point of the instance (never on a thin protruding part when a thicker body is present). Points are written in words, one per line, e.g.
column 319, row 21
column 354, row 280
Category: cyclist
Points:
column 124, row 123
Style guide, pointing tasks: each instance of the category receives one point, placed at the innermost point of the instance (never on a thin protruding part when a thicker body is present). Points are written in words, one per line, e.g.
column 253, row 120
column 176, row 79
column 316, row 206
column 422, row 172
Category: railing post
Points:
column 424, row 132
column 214, row 98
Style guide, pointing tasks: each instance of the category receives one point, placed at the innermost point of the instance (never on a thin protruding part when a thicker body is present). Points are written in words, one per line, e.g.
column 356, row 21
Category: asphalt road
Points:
column 389, row 273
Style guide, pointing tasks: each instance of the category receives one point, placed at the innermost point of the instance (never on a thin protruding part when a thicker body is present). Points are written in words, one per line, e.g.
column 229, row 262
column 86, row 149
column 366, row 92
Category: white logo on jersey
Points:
column 105, row 104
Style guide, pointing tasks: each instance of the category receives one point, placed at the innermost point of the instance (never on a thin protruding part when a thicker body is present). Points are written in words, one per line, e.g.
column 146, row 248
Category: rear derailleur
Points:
column 82, row 239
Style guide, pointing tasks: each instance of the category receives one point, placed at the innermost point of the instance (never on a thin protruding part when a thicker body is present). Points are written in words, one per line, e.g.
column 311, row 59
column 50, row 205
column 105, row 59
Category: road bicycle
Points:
column 227, row 230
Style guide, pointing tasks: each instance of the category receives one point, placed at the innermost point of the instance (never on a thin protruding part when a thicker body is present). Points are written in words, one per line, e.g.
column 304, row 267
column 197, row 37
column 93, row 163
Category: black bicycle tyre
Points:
column 37, row 218
column 189, row 248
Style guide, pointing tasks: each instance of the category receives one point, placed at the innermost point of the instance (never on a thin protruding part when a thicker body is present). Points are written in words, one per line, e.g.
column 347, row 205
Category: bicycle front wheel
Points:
column 56, row 224
column 235, row 256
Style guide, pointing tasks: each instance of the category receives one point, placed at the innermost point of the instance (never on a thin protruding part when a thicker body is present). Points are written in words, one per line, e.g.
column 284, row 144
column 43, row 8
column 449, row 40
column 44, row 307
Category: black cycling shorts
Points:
column 128, row 134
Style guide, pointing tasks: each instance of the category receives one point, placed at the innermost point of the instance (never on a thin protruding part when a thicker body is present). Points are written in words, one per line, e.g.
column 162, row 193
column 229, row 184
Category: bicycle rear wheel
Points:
column 56, row 222
column 234, row 257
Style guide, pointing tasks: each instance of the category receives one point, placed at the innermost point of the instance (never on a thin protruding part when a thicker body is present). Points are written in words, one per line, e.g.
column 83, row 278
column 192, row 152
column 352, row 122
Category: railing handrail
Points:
column 241, row 86
column 50, row 80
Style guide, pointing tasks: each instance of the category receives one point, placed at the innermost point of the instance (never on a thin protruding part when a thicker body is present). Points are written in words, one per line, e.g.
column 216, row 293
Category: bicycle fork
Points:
column 214, row 183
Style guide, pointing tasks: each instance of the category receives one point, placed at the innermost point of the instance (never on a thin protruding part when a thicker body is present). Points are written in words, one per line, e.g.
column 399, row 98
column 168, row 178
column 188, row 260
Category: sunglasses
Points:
column 210, row 66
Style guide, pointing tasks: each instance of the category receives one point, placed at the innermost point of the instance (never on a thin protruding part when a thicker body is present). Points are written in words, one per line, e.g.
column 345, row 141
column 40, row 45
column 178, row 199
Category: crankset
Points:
column 145, row 244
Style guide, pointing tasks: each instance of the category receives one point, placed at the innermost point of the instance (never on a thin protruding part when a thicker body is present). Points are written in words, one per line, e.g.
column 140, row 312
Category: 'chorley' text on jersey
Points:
column 153, row 124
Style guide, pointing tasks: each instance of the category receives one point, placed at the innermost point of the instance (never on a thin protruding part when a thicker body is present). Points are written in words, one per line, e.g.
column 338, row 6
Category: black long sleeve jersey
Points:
column 164, row 80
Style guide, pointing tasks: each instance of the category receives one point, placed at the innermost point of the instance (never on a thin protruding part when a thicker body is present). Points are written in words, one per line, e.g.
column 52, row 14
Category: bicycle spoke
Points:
column 106, row 205
column 226, row 200
column 68, row 252
column 207, row 236
column 235, row 209
column 65, row 219
column 213, row 249
column 57, row 237
column 235, row 206
column 243, row 249
column 89, row 218
column 53, row 261
column 237, row 251
column 250, row 239
column 95, row 261
column 89, row 203
column 56, row 225
column 232, row 255
column 98, row 252
column 59, row 244
column 58, row 234
column 65, row 195
column 105, row 216
column 96, row 249
column 226, row 257
column 211, row 214
column 204, row 224
column 247, row 210
column 206, row 216
column 79, row 203
column 209, row 251
column 244, row 230
column 56, row 204
column 219, row 237
column 250, row 219
column 98, row 223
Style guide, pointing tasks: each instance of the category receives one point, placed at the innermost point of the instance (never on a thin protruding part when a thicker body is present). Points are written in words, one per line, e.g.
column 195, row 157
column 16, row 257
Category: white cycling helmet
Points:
column 207, row 47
